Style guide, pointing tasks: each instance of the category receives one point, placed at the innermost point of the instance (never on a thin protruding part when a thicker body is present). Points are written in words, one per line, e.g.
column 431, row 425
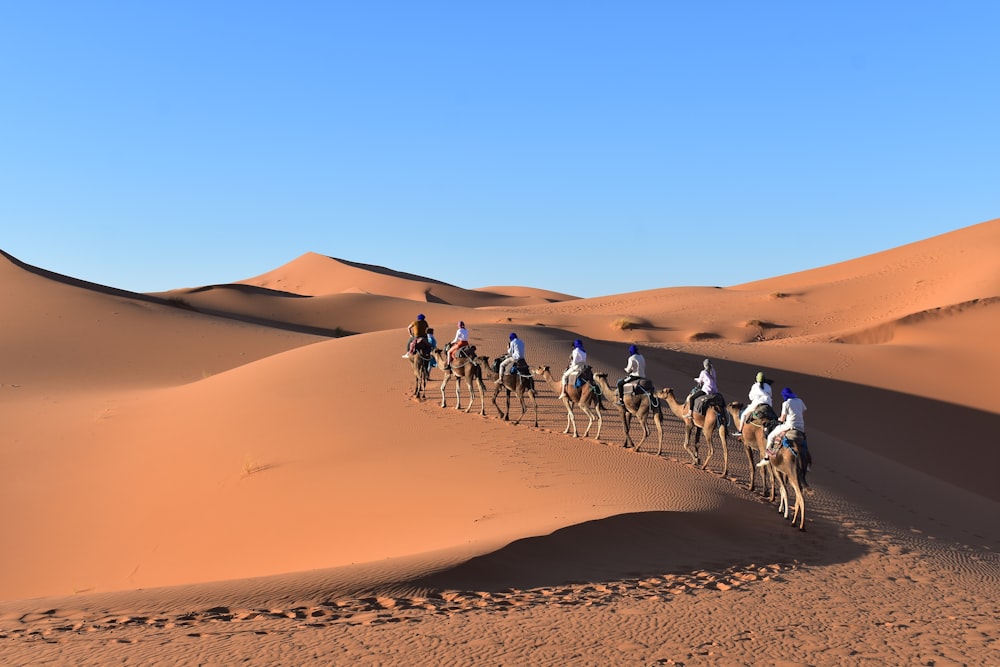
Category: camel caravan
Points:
column 775, row 443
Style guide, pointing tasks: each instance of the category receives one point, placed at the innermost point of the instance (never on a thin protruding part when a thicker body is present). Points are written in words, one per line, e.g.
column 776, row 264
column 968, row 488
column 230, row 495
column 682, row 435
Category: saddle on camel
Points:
column 585, row 376
column 460, row 354
column 420, row 345
column 703, row 402
column 638, row 388
column 520, row 367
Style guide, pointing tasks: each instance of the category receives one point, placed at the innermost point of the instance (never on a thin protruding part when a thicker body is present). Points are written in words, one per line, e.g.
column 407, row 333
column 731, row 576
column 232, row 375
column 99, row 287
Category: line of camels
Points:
column 783, row 471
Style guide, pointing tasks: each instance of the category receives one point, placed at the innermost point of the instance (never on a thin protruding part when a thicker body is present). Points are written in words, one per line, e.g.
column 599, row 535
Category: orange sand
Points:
column 218, row 474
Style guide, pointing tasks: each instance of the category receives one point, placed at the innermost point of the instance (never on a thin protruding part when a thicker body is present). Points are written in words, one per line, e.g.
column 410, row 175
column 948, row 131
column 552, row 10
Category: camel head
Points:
column 665, row 392
column 540, row 370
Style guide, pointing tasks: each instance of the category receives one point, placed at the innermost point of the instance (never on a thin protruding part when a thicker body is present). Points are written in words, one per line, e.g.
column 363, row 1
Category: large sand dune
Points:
column 238, row 472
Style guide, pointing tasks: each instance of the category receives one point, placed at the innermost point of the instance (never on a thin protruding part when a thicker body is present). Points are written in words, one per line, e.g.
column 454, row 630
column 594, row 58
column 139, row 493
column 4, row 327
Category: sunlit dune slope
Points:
column 312, row 275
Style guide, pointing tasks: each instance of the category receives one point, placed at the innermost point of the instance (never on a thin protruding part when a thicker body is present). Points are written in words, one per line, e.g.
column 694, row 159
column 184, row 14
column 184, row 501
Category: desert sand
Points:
column 240, row 473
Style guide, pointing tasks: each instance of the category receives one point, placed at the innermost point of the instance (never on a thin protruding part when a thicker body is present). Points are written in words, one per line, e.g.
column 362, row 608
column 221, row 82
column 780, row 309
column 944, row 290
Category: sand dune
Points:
column 238, row 472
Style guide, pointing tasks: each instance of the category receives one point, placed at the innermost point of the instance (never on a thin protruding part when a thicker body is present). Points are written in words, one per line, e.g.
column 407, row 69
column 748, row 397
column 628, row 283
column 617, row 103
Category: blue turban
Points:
column 578, row 343
column 632, row 349
column 787, row 393
column 420, row 316
column 513, row 336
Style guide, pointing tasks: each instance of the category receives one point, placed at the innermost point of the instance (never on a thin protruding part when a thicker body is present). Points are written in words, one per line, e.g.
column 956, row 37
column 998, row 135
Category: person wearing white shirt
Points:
column 635, row 369
column 706, row 384
column 460, row 340
column 577, row 360
column 759, row 394
column 793, row 416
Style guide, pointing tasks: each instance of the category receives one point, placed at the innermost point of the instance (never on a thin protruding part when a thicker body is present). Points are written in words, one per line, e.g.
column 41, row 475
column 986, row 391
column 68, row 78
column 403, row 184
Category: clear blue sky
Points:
column 587, row 147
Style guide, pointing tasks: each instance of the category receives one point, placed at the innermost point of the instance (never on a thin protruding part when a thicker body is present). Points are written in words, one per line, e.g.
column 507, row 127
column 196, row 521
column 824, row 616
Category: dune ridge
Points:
column 225, row 472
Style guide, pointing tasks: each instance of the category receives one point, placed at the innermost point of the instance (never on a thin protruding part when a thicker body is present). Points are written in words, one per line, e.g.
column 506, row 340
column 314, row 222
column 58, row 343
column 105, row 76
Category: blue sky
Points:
column 592, row 148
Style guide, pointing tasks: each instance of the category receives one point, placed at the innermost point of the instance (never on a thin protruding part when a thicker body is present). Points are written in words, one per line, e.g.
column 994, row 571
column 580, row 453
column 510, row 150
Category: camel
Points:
column 467, row 369
column 785, row 465
column 713, row 419
column 585, row 397
column 638, row 406
column 420, row 360
column 753, row 439
column 517, row 383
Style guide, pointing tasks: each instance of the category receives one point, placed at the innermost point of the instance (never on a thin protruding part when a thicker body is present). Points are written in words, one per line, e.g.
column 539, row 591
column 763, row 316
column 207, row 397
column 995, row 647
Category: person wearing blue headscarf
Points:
column 515, row 351
column 635, row 369
column 577, row 360
column 792, row 417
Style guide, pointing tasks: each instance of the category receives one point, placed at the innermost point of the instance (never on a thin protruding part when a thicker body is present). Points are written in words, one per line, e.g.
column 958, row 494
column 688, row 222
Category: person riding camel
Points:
column 759, row 394
column 460, row 340
column 635, row 369
column 577, row 360
column 707, row 385
column 432, row 341
column 417, row 329
column 792, row 417
column 515, row 352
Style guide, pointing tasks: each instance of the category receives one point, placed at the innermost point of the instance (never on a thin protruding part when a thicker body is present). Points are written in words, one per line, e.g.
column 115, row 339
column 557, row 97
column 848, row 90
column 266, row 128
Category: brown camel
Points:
column 712, row 420
column 638, row 406
column 420, row 360
column 754, row 439
column 467, row 368
column 585, row 397
column 784, row 466
column 518, row 383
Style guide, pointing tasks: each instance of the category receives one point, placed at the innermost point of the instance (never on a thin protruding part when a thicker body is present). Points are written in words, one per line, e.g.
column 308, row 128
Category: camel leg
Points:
column 800, row 508
column 534, row 405
column 600, row 423
column 658, row 421
column 444, row 386
column 645, row 429
column 725, row 448
column 709, row 441
column 496, row 394
column 750, row 461
column 772, row 482
column 482, row 396
column 472, row 394
column 520, row 399
column 590, row 418
column 627, row 424
column 688, row 429
column 570, row 418
column 783, row 492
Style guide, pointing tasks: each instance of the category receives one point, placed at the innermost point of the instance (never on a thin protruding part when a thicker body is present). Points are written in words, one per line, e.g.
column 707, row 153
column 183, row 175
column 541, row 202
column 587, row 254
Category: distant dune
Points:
column 240, row 472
